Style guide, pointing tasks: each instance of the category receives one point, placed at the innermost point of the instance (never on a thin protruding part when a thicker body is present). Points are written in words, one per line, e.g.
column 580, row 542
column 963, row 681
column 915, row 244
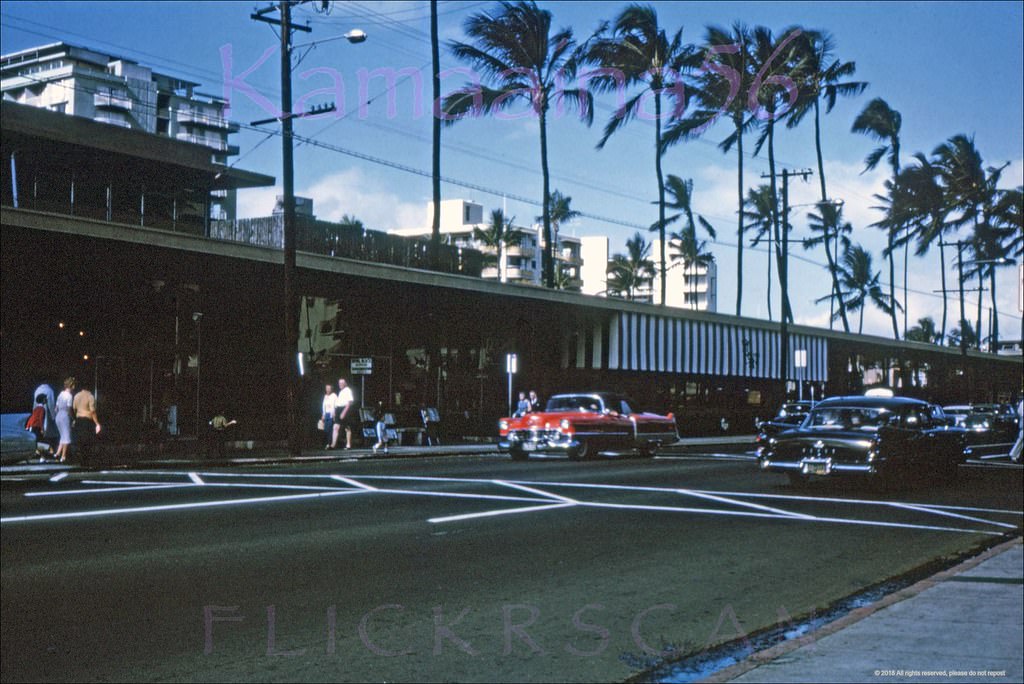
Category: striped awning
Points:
column 652, row 343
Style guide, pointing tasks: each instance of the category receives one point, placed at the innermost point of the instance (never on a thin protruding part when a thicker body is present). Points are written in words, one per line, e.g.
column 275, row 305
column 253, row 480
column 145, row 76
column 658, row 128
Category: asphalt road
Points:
column 472, row 568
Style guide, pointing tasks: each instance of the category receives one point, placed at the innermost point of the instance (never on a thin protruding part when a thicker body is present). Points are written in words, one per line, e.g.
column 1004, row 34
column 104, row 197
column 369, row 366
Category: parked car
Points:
column 991, row 429
column 790, row 415
column 585, row 424
column 958, row 413
column 16, row 443
column 886, row 437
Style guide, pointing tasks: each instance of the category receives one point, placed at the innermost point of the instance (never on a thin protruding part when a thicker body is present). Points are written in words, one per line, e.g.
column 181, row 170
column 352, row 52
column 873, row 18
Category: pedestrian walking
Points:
column 87, row 425
column 220, row 428
column 327, row 415
column 63, row 417
column 1018, row 446
column 380, row 428
column 345, row 414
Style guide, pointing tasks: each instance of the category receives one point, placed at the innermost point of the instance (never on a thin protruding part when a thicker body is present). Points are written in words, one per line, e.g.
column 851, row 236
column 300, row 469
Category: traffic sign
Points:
column 363, row 366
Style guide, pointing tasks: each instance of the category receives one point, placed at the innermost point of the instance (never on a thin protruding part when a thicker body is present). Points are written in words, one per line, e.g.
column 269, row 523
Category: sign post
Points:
column 362, row 367
column 511, row 366
column 799, row 363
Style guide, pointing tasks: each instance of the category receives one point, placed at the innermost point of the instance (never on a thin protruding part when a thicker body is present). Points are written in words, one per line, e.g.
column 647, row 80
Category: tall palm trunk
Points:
column 661, row 194
column 945, row 305
column 771, row 255
column 547, row 258
column 994, row 327
column 738, row 120
column 892, row 287
column 435, row 228
column 835, row 300
column 787, row 312
column 981, row 295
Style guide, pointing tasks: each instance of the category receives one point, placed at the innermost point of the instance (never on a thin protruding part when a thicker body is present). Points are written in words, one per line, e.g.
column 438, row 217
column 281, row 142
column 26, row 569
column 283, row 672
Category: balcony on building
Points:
column 112, row 101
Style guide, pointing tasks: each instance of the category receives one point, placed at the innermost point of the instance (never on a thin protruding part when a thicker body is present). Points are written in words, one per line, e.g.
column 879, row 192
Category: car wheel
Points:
column 580, row 452
column 517, row 454
column 648, row 449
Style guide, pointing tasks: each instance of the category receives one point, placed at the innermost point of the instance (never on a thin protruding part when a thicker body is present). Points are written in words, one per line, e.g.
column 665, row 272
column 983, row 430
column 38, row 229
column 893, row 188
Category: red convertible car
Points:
column 582, row 425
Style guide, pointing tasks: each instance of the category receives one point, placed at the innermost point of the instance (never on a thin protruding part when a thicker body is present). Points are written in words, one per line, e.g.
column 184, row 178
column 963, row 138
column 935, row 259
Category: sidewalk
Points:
column 965, row 624
column 250, row 453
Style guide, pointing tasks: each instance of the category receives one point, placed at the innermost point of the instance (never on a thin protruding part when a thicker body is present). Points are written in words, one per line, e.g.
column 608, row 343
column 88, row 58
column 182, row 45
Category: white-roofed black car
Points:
column 895, row 438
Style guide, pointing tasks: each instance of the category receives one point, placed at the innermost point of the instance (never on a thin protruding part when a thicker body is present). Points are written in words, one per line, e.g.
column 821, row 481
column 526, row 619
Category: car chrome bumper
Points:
column 817, row 466
column 539, row 446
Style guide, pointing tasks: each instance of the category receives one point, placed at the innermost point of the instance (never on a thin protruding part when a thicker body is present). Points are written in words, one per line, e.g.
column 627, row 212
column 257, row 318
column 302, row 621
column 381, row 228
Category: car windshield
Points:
column 847, row 418
column 574, row 403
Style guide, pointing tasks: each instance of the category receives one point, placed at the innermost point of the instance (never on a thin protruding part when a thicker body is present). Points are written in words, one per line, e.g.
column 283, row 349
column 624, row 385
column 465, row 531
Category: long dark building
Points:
column 113, row 271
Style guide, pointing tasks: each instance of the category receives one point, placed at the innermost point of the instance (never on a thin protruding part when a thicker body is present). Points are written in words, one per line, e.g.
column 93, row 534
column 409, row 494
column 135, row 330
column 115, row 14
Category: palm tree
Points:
column 859, row 285
column 689, row 249
column 963, row 335
column 926, row 209
column 881, row 122
column 631, row 272
column 822, row 78
column 721, row 85
column 517, row 52
column 693, row 255
column 635, row 50
column 831, row 227
column 759, row 213
column 973, row 191
column 561, row 211
column 435, row 166
column 924, row 331
column 780, row 66
column 498, row 235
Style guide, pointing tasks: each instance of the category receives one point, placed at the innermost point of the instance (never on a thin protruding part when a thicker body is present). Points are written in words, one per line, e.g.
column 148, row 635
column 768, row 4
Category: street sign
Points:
column 362, row 366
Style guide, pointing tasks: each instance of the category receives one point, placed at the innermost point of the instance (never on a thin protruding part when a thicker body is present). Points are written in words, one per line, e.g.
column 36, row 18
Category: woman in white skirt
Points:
column 63, row 418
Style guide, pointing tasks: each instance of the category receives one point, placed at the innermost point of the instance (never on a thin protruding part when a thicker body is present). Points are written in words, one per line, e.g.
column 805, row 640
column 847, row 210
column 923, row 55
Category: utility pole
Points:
column 288, row 218
column 787, row 314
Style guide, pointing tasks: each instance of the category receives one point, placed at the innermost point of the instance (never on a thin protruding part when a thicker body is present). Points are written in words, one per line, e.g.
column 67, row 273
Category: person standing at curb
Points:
column 327, row 415
column 345, row 414
column 64, row 418
column 87, row 425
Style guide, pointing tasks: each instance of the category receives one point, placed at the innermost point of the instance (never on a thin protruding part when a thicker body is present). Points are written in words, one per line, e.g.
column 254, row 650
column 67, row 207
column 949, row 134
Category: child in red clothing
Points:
column 37, row 420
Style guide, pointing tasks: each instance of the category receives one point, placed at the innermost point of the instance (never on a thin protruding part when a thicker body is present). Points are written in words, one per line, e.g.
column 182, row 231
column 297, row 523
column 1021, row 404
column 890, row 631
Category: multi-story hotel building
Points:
column 114, row 90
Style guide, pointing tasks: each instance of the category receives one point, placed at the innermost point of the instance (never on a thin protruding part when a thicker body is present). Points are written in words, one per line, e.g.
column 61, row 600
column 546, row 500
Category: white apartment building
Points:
column 693, row 287
column 520, row 263
column 84, row 82
column 584, row 260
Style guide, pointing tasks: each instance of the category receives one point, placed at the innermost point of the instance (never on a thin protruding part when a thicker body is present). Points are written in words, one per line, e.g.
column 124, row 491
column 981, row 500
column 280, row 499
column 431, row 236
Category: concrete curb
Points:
column 758, row 659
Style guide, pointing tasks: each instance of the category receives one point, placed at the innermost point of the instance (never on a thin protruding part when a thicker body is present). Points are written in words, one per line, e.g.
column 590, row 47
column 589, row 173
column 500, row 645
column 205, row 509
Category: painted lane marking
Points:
column 195, row 478
column 936, row 511
column 722, row 499
column 58, row 477
column 503, row 511
column 99, row 490
column 538, row 492
column 875, row 502
column 353, row 483
column 846, row 521
column 174, row 507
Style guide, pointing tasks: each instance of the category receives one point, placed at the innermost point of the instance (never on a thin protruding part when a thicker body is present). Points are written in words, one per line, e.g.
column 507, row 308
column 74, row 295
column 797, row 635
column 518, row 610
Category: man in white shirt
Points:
column 345, row 414
column 330, row 400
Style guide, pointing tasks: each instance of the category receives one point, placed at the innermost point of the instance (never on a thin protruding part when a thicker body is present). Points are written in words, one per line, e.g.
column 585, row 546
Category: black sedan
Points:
column 887, row 437
column 790, row 415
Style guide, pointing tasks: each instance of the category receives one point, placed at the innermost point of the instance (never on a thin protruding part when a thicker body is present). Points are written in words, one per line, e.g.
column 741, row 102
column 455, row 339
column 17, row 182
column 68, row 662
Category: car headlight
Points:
column 503, row 425
column 565, row 425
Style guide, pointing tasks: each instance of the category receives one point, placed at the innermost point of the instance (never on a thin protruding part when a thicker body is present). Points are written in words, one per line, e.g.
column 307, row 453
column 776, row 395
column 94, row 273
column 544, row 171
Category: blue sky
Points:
column 947, row 67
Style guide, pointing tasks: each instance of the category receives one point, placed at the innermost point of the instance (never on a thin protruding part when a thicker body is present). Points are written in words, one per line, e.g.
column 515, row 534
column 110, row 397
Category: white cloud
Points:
column 349, row 192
